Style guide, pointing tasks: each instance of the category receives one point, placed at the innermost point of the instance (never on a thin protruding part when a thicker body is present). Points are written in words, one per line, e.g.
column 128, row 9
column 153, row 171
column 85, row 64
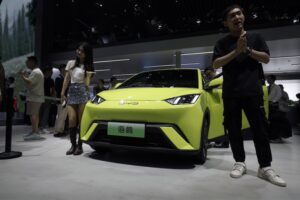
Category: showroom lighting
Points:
column 109, row 61
column 196, row 53
column 170, row 65
column 280, row 57
column 187, row 64
column 123, row 75
column 157, row 66
column 102, row 70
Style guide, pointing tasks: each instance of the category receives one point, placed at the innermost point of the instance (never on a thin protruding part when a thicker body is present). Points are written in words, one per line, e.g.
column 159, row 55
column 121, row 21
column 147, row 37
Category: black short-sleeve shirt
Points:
column 48, row 84
column 243, row 75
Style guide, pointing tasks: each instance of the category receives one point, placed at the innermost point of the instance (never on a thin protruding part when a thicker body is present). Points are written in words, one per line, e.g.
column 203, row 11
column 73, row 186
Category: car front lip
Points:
column 165, row 136
column 146, row 149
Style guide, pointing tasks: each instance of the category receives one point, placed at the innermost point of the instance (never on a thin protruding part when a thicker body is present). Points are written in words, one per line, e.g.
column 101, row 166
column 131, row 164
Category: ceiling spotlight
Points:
column 198, row 21
column 93, row 29
column 99, row 4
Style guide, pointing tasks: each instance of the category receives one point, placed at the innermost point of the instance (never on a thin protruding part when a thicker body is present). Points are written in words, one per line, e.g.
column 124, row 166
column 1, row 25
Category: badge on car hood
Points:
column 124, row 102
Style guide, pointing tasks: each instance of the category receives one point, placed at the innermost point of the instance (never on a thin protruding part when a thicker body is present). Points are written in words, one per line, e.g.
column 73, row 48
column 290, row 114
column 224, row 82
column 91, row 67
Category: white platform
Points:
column 46, row 173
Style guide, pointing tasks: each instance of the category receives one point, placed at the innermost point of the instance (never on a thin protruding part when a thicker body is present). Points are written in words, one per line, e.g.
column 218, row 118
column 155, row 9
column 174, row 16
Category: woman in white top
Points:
column 78, row 75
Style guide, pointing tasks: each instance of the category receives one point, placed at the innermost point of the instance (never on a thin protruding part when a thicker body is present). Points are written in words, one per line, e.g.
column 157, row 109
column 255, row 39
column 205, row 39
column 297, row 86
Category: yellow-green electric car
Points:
column 169, row 110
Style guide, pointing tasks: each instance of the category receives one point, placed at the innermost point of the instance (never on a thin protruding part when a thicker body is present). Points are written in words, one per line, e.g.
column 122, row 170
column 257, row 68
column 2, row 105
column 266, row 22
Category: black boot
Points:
column 72, row 132
column 78, row 150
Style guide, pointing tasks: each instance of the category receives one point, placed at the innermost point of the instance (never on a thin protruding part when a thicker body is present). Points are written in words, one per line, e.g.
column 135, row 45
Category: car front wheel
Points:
column 201, row 156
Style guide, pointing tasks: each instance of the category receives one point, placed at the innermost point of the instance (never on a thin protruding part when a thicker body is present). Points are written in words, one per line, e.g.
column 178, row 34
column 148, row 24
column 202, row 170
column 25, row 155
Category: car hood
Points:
column 146, row 94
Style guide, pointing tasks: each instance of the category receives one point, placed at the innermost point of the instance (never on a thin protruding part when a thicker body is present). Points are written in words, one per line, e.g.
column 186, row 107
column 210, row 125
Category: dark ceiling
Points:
column 115, row 22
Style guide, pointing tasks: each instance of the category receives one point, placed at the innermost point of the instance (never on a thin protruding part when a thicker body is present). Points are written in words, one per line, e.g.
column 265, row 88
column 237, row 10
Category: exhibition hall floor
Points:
column 44, row 172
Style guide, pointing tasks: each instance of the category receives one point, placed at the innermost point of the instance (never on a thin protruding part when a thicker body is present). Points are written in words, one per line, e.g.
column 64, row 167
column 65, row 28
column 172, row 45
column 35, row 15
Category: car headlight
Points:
column 187, row 99
column 97, row 100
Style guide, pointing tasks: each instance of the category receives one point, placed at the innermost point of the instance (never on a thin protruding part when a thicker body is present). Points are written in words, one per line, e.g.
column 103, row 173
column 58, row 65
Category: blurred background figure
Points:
column 210, row 73
column 275, row 118
column 2, row 86
column 62, row 111
column 297, row 103
column 112, row 83
column 49, row 91
column 99, row 87
column 34, row 96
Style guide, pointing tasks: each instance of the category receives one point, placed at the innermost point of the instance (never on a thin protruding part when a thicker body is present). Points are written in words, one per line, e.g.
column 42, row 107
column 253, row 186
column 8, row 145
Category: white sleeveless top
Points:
column 76, row 73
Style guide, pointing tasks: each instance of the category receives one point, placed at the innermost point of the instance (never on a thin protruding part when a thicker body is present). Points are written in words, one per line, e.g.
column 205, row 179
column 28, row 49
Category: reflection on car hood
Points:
column 146, row 94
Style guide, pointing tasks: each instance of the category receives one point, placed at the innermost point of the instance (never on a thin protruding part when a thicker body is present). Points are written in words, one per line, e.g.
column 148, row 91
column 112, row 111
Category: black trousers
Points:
column 254, row 110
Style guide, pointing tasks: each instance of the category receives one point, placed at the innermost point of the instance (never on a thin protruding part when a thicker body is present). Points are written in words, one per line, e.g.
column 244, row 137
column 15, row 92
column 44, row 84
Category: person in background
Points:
column 99, row 87
column 34, row 97
column 274, row 91
column 297, row 104
column 46, row 106
column 78, row 76
column 210, row 74
column 62, row 111
column 284, row 98
column 2, row 86
column 10, row 83
column 275, row 94
column 286, row 130
column 26, row 118
column 280, row 124
column 112, row 83
column 0, row 98
column 240, row 55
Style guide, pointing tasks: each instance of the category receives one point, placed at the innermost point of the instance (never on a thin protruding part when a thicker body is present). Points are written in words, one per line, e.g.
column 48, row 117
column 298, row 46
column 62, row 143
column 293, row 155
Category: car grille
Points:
column 154, row 137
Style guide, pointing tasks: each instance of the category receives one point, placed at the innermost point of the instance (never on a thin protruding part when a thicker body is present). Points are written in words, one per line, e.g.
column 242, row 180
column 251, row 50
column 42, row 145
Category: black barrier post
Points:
column 8, row 154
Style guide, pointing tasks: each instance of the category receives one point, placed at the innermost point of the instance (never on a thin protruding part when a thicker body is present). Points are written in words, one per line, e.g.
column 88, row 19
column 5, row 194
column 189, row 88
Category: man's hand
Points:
column 241, row 46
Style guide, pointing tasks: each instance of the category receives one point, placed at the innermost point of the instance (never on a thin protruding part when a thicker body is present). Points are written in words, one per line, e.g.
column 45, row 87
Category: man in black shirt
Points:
column 240, row 55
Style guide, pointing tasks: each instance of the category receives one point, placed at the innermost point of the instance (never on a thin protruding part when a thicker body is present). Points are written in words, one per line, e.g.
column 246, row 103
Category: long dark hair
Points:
column 88, row 60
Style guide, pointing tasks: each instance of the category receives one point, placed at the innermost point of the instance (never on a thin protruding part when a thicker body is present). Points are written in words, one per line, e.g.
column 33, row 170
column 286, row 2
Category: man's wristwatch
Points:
column 249, row 51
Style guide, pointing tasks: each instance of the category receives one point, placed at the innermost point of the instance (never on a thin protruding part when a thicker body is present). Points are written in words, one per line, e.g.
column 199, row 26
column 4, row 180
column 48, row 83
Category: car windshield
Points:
column 187, row 78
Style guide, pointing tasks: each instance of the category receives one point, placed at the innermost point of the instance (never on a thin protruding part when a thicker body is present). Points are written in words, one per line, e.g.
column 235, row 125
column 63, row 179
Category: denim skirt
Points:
column 77, row 94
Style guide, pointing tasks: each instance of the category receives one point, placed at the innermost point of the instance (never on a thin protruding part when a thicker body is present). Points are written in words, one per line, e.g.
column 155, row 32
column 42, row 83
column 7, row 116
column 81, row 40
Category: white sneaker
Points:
column 44, row 131
column 27, row 134
column 267, row 173
column 33, row 136
column 239, row 169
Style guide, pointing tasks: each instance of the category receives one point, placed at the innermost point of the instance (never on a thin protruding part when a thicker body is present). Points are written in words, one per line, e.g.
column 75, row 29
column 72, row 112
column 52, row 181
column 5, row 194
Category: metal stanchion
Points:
column 8, row 154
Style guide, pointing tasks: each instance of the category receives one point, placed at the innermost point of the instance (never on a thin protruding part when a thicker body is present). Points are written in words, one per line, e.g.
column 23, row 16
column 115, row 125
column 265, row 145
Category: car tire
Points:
column 201, row 156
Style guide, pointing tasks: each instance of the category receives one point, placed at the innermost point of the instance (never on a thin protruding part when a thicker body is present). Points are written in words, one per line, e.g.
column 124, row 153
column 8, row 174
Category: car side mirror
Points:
column 214, row 83
column 117, row 85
